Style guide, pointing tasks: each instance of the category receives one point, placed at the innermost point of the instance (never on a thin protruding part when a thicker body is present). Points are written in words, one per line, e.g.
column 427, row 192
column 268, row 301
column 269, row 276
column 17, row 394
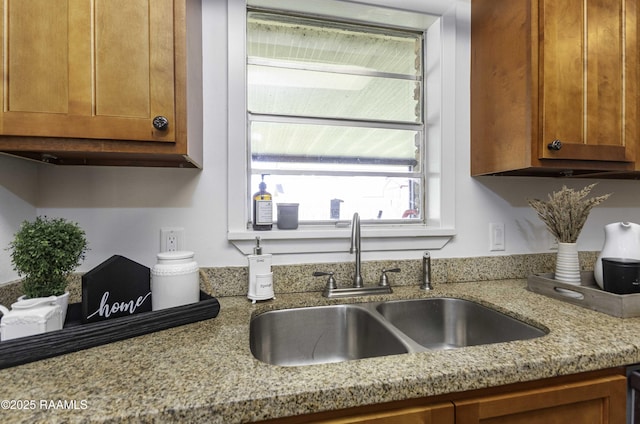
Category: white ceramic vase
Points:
column 568, row 264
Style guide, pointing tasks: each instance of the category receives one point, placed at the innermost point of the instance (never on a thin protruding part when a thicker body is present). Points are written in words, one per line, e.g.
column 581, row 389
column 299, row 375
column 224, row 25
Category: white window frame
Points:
column 440, row 78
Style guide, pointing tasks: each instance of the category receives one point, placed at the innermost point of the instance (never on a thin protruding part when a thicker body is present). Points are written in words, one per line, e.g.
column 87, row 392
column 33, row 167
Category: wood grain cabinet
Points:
column 554, row 87
column 102, row 81
column 597, row 397
column 600, row 401
column 442, row 413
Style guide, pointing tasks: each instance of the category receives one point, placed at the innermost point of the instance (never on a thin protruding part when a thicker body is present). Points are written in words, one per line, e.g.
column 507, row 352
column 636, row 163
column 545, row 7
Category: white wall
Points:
column 18, row 196
column 122, row 209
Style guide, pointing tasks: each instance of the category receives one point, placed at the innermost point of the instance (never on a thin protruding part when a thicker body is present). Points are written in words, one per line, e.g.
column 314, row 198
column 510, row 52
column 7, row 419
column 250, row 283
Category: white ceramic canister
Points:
column 174, row 280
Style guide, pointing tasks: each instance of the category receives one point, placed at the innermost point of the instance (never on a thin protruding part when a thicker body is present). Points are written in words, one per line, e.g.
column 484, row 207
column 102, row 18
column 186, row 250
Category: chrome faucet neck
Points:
column 358, row 288
column 356, row 248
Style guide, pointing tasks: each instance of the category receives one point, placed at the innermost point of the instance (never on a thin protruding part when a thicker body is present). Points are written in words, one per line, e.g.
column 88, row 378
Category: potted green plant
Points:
column 45, row 252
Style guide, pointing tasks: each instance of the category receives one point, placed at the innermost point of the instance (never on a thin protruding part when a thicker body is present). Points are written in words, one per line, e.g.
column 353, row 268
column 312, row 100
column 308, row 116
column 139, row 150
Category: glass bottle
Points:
column 262, row 208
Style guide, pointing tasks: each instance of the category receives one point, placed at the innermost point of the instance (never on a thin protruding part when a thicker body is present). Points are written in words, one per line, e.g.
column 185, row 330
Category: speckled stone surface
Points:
column 204, row 372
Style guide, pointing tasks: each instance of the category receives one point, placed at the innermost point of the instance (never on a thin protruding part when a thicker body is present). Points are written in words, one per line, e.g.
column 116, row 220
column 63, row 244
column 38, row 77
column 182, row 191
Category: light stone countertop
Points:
column 205, row 371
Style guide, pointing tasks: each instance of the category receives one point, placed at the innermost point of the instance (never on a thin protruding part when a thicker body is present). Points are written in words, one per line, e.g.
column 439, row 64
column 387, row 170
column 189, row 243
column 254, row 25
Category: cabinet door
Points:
column 587, row 65
column 596, row 401
column 87, row 68
column 442, row 413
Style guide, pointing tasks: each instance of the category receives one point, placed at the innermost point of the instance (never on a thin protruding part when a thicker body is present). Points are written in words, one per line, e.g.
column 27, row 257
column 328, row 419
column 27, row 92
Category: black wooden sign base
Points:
column 77, row 336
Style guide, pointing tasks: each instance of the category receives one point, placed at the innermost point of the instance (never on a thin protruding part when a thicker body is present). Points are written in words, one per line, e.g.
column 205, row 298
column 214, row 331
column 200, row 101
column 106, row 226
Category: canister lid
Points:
column 175, row 255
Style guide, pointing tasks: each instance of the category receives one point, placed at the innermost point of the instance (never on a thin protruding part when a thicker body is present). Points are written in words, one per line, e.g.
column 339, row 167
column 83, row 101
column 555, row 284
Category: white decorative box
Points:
column 27, row 318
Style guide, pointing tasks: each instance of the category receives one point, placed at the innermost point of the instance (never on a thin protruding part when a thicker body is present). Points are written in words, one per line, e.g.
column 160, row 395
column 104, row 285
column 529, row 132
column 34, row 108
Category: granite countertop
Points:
column 205, row 371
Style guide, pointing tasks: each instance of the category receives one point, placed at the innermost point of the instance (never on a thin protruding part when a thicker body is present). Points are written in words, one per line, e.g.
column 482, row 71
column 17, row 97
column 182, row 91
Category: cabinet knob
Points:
column 555, row 145
column 160, row 123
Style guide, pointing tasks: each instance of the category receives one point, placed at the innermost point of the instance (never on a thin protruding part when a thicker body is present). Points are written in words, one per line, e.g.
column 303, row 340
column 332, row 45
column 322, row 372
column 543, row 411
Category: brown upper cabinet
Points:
column 554, row 87
column 102, row 82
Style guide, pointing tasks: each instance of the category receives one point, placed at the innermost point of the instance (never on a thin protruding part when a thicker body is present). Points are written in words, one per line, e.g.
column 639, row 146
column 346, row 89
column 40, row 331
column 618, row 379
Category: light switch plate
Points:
column 496, row 236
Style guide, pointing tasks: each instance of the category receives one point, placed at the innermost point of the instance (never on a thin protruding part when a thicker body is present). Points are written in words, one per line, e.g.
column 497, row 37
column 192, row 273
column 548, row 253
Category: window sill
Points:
column 315, row 239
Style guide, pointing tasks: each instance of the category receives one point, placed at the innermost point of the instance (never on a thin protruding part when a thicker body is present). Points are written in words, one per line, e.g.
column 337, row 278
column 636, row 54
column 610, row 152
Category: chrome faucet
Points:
column 357, row 289
column 356, row 248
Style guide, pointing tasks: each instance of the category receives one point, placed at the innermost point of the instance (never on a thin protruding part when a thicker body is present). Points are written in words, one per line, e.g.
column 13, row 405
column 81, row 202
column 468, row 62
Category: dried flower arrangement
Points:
column 566, row 211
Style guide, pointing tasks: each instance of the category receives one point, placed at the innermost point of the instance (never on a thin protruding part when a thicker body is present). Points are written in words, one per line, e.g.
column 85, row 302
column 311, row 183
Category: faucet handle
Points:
column 384, row 280
column 331, row 282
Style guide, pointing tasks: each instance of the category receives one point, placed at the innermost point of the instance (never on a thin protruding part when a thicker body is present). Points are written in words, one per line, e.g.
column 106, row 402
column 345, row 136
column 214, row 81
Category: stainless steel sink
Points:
column 447, row 323
column 321, row 334
column 339, row 333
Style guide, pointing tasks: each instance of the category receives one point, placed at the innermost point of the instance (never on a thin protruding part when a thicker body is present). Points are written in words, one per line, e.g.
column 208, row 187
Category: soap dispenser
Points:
column 260, row 275
column 262, row 208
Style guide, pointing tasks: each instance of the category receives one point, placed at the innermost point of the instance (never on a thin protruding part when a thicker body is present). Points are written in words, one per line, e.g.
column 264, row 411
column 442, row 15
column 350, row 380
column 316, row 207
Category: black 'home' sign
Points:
column 115, row 288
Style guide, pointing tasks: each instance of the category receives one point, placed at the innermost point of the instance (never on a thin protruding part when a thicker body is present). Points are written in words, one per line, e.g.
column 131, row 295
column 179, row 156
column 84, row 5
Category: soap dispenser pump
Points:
column 260, row 275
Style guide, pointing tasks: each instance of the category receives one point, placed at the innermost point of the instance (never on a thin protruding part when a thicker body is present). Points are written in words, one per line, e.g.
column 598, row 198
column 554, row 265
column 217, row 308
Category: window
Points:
column 335, row 113
column 393, row 154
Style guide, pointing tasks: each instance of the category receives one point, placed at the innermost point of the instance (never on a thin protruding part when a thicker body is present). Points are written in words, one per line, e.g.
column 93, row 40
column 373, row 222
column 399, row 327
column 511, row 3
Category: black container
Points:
column 621, row 275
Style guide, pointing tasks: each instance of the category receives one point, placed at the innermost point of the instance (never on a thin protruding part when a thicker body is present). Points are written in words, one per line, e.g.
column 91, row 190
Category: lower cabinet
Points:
column 600, row 401
column 442, row 413
column 591, row 398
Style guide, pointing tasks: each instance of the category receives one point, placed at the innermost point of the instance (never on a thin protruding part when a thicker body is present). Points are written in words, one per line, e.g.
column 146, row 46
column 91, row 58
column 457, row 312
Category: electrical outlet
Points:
column 496, row 236
column 171, row 239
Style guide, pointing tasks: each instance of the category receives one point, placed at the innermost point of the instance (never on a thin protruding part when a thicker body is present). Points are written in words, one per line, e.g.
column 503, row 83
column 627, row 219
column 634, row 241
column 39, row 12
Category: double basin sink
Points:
column 336, row 333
